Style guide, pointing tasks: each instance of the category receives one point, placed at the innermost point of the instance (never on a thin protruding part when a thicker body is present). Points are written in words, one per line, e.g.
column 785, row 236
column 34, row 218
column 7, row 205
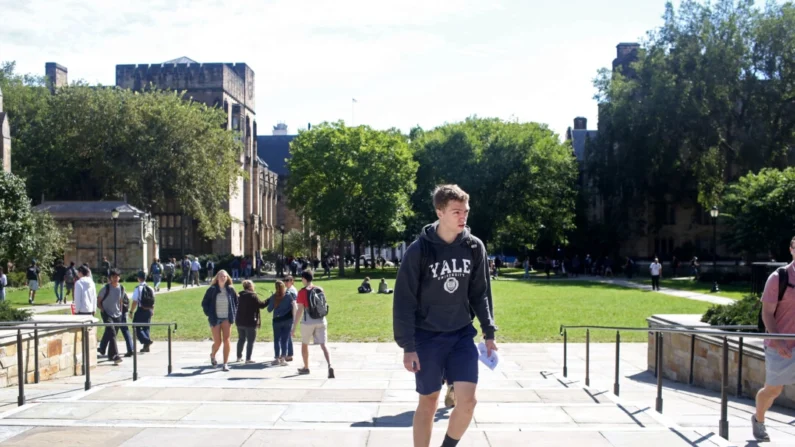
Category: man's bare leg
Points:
column 764, row 400
column 423, row 419
column 464, row 409
column 305, row 354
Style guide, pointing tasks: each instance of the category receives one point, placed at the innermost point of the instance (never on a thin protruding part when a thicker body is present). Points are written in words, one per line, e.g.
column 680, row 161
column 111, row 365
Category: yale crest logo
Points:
column 451, row 285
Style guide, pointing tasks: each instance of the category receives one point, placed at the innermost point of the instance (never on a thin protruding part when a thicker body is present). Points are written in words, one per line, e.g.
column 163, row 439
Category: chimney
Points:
column 624, row 50
column 280, row 129
column 580, row 123
column 56, row 75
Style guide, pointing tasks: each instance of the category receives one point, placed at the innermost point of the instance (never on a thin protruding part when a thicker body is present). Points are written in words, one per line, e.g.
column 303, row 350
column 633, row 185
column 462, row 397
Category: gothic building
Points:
column 229, row 86
column 5, row 137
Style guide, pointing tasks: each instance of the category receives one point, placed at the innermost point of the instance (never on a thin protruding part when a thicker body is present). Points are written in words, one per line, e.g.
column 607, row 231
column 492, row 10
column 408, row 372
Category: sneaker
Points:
column 145, row 348
column 330, row 372
column 129, row 354
column 226, row 367
column 303, row 371
column 239, row 360
column 449, row 398
column 760, row 432
column 249, row 362
column 289, row 358
column 213, row 361
column 30, row 300
column 275, row 362
column 282, row 362
column 117, row 360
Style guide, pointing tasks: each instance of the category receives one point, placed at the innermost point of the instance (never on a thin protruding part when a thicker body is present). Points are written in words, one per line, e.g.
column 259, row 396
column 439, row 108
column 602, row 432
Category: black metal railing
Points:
column 711, row 331
column 47, row 327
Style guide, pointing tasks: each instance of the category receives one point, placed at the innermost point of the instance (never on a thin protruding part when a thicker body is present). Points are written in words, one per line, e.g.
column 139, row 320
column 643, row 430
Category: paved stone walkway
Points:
column 664, row 290
column 526, row 401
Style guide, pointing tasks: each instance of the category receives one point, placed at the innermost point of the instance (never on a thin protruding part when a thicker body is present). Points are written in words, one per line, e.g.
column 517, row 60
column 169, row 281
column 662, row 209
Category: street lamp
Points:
column 115, row 216
column 281, row 265
column 714, row 212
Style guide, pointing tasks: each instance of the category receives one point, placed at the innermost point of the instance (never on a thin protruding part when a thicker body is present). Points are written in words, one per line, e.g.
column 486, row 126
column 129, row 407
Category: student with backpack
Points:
column 111, row 304
column 169, row 269
column 157, row 274
column 142, row 310
column 776, row 317
column 442, row 284
column 108, row 295
column 185, row 272
column 210, row 269
column 312, row 306
column 70, row 277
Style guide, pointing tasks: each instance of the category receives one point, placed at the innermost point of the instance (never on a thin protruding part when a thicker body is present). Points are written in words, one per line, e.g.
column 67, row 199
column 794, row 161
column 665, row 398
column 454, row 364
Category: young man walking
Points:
column 85, row 292
column 142, row 310
column 312, row 328
column 111, row 303
column 185, row 272
column 195, row 267
column 655, row 269
column 778, row 314
column 442, row 280
column 34, row 276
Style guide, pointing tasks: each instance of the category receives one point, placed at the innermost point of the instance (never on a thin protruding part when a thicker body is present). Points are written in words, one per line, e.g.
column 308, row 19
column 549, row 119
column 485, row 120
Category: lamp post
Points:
column 714, row 212
column 281, row 265
column 115, row 216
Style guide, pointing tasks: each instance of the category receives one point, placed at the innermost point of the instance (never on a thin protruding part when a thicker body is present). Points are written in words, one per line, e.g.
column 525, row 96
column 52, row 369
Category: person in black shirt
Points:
column 33, row 281
column 58, row 278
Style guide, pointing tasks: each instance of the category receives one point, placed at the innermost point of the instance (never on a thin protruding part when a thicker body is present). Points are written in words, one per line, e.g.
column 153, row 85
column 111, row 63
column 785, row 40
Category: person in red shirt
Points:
column 311, row 328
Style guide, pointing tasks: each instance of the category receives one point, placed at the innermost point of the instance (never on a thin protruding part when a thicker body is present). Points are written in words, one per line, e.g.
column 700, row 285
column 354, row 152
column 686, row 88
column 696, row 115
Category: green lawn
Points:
column 18, row 297
column 734, row 291
column 526, row 311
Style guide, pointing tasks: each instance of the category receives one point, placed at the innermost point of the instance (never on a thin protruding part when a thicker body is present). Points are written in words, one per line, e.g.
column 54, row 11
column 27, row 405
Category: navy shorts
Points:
column 445, row 356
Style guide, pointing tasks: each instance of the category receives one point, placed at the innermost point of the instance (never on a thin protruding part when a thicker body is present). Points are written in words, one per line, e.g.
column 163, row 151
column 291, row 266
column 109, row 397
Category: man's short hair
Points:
column 792, row 243
column 83, row 270
column 288, row 278
column 115, row 272
column 307, row 275
column 444, row 194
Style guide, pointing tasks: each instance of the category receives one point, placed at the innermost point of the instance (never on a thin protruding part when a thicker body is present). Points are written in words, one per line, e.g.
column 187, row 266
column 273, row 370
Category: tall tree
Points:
column 519, row 176
column 347, row 180
column 760, row 212
column 86, row 143
column 710, row 97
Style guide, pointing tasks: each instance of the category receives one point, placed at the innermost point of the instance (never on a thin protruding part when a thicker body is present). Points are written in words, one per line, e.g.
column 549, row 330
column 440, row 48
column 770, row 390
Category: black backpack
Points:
column 783, row 283
column 318, row 307
column 147, row 297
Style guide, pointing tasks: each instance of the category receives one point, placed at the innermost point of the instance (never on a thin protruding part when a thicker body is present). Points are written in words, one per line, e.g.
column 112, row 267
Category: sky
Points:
column 406, row 62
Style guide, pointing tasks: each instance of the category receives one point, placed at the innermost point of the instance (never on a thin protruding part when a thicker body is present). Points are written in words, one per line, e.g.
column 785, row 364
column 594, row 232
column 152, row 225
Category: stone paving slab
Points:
column 195, row 437
column 71, row 436
column 231, row 413
column 313, row 438
column 138, row 411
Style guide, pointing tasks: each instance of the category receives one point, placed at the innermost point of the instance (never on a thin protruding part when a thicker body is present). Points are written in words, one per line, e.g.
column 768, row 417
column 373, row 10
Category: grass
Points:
column 18, row 297
column 525, row 311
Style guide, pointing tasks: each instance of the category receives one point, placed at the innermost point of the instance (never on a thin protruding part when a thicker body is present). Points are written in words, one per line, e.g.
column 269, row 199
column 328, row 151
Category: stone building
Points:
column 275, row 150
column 659, row 228
column 253, row 207
column 5, row 137
column 134, row 246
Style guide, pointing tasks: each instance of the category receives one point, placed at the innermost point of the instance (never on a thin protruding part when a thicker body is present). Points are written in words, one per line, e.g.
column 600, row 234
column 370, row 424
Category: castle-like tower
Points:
column 230, row 87
column 5, row 137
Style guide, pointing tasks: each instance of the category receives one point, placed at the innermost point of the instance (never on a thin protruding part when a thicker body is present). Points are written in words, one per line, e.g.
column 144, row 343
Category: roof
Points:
column 181, row 60
column 89, row 210
column 275, row 150
column 578, row 138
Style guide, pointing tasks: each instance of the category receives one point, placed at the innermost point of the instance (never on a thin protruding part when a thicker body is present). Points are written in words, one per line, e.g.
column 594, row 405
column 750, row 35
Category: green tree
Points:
column 760, row 212
column 86, row 143
column 26, row 234
column 709, row 99
column 347, row 180
column 296, row 243
column 519, row 176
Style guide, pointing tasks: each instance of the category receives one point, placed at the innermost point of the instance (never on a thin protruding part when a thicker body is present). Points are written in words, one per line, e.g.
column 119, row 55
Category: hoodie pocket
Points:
column 446, row 317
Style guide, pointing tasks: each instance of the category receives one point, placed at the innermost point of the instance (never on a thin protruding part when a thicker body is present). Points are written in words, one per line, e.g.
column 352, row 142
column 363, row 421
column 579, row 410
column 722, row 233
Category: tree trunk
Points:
column 372, row 256
column 342, row 256
column 357, row 249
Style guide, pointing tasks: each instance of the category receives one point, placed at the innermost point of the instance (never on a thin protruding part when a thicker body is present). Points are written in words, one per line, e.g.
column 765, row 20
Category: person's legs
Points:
column 241, row 340
column 156, row 279
column 106, row 337
column 461, row 369
column 289, row 343
column 143, row 316
column 125, row 332
column 305, row 354
column 168, row 281
column 764, row 400
column 226, row 331
column 464, row 409
column 284, row 337
column 216, row 330
column 277, row 342
column 251, row 336
column 423, row 419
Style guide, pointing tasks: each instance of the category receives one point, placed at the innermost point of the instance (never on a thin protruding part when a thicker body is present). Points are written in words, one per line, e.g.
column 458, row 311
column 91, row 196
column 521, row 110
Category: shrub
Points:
column 8, row 313
column 20, row 279
column 744, row 311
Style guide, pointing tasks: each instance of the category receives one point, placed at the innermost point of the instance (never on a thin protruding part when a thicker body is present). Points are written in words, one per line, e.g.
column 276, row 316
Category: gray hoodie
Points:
column 443, row 297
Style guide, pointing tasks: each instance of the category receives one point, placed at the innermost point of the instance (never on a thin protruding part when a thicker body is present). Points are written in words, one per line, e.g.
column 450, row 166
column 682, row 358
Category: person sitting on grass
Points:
column 365, row 287
column 383, row 287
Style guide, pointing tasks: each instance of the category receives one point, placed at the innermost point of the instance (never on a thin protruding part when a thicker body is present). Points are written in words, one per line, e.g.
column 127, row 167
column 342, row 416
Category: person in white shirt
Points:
column 194, row 271
column 656, row 271
column 3, row 285
column 85, row 293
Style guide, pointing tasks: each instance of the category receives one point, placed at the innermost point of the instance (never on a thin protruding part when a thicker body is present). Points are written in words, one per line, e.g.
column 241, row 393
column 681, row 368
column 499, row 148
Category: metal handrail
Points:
column 19, row 326
column 711, row 331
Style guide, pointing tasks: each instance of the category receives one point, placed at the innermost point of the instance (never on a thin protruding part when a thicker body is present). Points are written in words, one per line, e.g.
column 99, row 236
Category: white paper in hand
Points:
column 490, row 362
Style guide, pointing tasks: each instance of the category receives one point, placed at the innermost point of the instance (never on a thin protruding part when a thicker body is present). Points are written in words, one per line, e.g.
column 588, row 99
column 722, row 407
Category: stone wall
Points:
column 60, row 354
column 91, row 240
column 707, row 363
